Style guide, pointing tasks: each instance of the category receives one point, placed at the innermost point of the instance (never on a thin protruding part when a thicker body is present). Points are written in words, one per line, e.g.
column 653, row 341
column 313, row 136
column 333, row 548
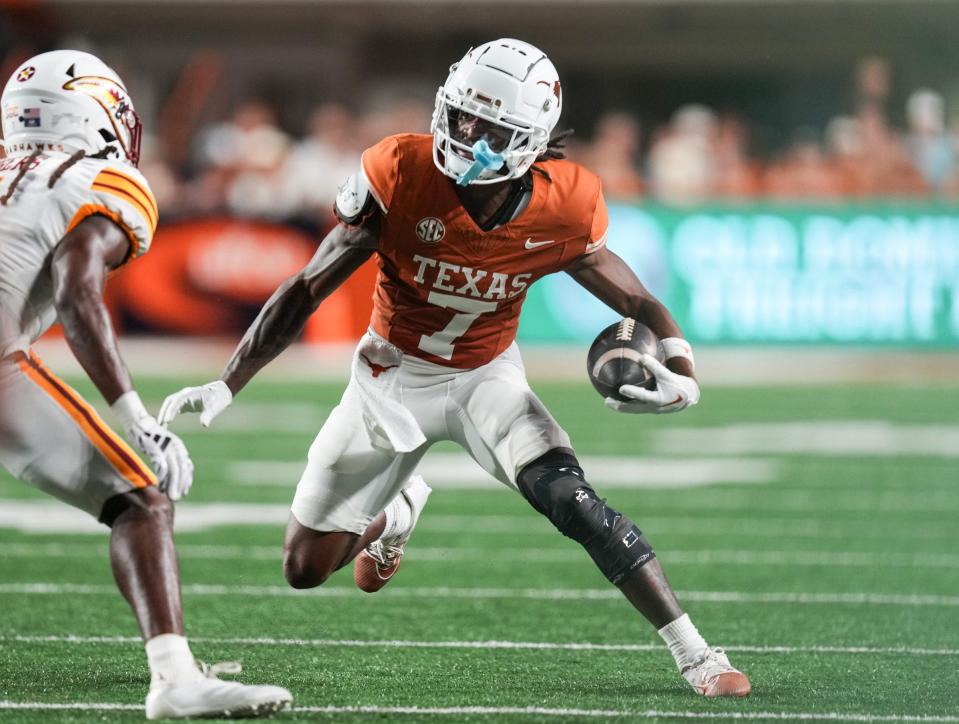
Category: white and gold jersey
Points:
column 39, row 213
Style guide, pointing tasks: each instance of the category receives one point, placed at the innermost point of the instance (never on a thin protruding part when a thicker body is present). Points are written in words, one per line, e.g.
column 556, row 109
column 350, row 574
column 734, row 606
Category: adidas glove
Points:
column 166, row 452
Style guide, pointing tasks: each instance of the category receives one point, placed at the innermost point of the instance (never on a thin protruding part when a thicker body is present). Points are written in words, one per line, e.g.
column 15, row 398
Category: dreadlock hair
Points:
column 24, row 167
column 555, row 150
column 62, row 168
column 556, row 146
column 55, row 176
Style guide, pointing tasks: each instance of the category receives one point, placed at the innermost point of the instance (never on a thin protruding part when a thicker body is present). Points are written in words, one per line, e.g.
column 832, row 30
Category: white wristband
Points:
column 129, row 408
column 224, row 390
column 676, row 347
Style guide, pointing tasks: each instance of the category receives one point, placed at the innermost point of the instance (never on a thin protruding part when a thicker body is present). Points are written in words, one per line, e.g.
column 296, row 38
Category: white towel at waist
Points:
column 376, row 366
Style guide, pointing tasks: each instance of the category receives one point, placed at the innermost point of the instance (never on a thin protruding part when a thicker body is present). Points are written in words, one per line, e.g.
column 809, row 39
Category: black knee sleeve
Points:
column 555, row 486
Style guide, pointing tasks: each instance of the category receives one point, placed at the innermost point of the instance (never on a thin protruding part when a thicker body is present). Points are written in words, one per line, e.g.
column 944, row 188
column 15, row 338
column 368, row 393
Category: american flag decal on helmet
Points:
column 30, row 117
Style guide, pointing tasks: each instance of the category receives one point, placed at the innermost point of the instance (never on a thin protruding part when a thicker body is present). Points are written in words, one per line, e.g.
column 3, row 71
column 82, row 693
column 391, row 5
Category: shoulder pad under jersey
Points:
column 354, row 199
column 122, row 194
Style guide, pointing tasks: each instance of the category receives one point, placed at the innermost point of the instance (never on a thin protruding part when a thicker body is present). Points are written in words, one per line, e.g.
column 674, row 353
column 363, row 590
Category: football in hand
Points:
column 614, row 357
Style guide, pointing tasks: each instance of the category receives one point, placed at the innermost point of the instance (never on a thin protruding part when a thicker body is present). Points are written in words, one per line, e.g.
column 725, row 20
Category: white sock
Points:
column 399, row 518
column 683, row 640
column 170, row 660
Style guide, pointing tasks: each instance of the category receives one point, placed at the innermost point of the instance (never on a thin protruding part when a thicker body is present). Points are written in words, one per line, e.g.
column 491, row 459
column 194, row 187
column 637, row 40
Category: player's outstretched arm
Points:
column 79, row 269
column 281, row 320
column 284, row 315
column 609, row 279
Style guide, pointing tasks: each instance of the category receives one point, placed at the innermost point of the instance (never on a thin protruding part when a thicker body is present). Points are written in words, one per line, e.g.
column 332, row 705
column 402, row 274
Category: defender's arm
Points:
column 81, row 262
column 80, row 266
column 285, row 314
column 609, row 279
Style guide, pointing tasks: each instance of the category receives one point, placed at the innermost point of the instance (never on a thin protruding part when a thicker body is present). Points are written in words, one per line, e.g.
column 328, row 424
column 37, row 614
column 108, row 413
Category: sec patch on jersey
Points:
column 614, row 357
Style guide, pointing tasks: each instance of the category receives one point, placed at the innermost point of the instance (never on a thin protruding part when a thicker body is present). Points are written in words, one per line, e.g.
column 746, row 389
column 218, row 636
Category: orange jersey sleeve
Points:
column 600, row 226
column 380, row 164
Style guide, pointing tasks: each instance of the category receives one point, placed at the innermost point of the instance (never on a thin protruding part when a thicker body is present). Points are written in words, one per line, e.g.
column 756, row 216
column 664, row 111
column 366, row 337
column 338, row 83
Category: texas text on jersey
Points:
column 447, row 291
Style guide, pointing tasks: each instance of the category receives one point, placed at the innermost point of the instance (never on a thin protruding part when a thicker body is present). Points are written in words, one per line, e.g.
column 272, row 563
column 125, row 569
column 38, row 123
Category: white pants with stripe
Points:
column 490, row 411
column 53, row 440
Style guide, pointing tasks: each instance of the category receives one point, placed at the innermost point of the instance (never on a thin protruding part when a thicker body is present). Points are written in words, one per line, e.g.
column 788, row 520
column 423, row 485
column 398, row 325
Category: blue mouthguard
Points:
column 484, row 159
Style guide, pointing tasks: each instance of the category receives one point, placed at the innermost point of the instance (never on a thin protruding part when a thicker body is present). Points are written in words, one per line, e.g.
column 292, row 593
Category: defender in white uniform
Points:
column 61, row 446
column 74, row 208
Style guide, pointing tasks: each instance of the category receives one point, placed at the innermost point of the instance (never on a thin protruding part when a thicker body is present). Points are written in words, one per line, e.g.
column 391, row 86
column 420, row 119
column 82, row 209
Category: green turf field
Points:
column 832, row 575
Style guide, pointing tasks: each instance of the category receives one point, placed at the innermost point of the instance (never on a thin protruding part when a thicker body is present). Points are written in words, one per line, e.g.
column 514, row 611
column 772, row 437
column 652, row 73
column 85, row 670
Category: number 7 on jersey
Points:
column 440, row 344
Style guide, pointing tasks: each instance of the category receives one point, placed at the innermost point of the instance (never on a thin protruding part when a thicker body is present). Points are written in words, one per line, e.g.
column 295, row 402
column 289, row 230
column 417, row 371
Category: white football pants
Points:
column 352, row 473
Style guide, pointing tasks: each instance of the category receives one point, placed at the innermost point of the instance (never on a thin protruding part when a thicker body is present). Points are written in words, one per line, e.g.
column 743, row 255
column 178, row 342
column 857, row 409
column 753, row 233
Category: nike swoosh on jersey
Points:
column 530, row 244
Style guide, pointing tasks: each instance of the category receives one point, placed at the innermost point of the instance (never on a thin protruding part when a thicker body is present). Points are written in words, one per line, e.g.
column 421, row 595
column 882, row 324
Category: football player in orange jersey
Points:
column 462, row 222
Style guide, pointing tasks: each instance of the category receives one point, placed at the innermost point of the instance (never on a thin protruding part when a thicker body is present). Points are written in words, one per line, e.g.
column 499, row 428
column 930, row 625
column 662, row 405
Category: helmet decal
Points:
column 30, row 118
column 556, row 88
column 113, row 98
column 66, row 101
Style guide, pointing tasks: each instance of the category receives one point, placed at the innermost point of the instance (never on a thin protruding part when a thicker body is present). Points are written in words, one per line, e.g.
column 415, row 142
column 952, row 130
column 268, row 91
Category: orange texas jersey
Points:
column 449, row 292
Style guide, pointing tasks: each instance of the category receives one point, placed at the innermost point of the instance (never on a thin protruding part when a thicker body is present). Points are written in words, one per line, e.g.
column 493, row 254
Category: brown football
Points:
column 613, row 358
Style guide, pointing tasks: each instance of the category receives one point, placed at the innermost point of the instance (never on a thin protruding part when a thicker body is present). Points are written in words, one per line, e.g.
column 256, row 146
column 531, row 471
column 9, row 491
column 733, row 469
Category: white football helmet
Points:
column 69, row 100
column 505, row 91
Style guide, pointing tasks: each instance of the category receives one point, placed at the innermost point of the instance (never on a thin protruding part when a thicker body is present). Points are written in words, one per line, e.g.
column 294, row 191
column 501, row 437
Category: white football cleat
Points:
column 380, row 560
column 711, row 674
column 208, row 697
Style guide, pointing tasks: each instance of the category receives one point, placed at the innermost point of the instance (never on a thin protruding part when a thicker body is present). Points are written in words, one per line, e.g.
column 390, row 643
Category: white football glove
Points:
column 167, row 453
column 209, row 400
column 673, row 392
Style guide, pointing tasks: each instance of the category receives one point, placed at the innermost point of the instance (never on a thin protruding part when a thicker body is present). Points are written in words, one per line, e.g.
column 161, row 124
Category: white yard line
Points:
column 707, row 525
column 690, row 457
column 50, row 516
column 260, row 418
column 841, row 559
column 45, row 516
column 74, row 706
column 446, row 470
column 450, row 471
column 510, row 645
column 528, row 711
column 544, row 594
column 647, row 714
column 200, row 359
column 826, row 438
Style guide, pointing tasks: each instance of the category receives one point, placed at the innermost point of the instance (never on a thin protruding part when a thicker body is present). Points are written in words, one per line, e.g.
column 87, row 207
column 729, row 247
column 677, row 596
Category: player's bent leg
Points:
column 338, row 508
column 379, row 561
column 555, row 485
column 310, row 557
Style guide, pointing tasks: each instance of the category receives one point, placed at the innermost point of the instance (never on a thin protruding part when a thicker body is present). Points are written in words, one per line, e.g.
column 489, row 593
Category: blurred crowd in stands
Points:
column 248, row 165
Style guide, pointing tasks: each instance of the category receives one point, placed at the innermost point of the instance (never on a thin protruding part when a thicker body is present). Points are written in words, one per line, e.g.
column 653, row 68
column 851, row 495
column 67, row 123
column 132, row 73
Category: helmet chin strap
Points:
column 484, row 159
